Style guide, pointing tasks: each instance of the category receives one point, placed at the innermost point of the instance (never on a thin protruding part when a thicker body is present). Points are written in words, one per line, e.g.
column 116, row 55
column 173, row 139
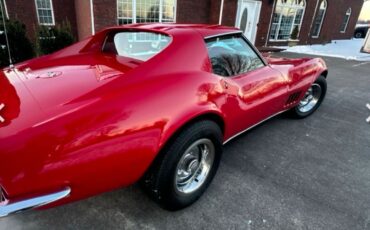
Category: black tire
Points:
column 160, row 180
column 359, row 35
column 298, row 112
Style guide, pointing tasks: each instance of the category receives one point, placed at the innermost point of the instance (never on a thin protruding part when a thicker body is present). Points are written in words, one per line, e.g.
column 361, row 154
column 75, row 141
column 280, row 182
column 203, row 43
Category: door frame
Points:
column 257, row 10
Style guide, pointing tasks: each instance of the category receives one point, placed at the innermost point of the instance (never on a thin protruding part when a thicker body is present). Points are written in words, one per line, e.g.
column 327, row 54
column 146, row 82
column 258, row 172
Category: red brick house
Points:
column 264, row 22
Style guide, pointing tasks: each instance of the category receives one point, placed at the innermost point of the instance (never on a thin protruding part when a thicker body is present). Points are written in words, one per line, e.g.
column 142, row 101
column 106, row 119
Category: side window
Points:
column 232, row 55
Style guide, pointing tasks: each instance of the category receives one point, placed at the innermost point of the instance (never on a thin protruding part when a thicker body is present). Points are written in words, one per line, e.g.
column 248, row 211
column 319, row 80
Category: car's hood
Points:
column 38, row 90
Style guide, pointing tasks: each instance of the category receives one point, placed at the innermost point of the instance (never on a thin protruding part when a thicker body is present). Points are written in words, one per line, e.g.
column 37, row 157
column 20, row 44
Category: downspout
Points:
column 221, row 10
column 92, row 17
column 6, row 37
column 268, row 31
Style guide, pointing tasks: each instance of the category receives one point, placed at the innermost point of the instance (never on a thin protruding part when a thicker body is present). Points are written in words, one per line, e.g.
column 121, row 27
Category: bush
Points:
column 295, row 32
column 51, row 39
column 20, row 46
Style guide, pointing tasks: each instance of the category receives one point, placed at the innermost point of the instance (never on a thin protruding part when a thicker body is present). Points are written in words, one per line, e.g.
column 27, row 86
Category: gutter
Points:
column 221, row 11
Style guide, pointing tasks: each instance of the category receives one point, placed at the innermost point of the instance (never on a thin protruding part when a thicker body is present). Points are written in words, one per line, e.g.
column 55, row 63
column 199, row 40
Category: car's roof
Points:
column 205, row 30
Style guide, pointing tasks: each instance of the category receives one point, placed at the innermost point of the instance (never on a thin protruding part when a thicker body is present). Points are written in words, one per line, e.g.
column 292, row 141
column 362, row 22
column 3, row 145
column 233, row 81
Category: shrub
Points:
column 294, row 34
column 51, row 39
column 20, row 46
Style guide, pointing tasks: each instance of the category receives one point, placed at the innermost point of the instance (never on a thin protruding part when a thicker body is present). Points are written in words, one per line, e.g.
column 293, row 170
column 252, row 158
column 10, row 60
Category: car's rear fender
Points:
column 300, row 73
column 176, row 126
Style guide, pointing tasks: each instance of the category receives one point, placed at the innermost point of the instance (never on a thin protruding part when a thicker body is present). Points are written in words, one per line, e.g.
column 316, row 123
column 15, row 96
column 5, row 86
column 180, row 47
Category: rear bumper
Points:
column 8, row 207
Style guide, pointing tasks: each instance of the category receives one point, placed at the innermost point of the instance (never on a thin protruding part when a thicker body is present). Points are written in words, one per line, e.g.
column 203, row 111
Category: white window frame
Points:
column 160, row 12
column 52, row 14
column 284, row 5
column 349, row 13
column 322, row 19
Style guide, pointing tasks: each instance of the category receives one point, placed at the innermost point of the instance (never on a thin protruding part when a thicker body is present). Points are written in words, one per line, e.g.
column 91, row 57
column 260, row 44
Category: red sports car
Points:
column 147, row 102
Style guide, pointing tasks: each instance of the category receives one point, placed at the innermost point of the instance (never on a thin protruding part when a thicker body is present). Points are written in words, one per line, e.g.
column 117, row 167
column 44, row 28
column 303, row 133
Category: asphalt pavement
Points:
column 284, row 174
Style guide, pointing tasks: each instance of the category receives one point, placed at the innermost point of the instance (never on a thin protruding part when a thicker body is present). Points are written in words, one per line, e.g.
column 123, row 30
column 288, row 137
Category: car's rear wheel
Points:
column 312, row 99
column 186, row 166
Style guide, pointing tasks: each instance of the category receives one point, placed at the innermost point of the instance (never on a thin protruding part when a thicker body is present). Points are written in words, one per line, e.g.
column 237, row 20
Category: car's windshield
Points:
column 137, row 45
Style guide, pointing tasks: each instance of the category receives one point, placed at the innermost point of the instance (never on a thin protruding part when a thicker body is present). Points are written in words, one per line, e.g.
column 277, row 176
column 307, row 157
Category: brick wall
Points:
column 334, row 18
column 64, row 10
column 193, row 11
column 105, row 13
column 25, row 11
column 228, row 13
column 264, row 22
column 330, row 29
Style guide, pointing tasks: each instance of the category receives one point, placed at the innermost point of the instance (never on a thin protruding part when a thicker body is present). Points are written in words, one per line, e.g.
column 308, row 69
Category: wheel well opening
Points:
column 209, row 116
column 325, row 73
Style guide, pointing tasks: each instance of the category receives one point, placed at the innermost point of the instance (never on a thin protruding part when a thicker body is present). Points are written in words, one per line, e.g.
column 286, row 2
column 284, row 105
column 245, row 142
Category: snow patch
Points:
column 346, row 49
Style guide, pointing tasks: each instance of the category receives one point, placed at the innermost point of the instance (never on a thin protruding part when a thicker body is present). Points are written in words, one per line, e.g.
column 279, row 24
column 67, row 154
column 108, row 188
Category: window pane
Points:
column 287, row 16
column 47, row 4
column 168, row 12
column 277, row 14
column 318, row 22
column 298, row 17
column 146, row 10
column 44, row 11
column 344, row 24
column 273, row 31
column 231, row 56
column 286, row 24
column 124, row 11
column 346, row 20
column 122, row 21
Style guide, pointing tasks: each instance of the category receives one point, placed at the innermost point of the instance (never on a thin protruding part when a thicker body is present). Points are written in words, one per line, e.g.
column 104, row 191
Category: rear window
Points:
column 137, row 45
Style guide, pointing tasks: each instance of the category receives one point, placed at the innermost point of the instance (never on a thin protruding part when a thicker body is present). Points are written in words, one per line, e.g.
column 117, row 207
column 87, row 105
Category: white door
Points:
column 247, row 18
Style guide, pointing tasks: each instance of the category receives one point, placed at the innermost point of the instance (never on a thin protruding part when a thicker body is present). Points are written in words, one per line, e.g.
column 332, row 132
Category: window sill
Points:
column 289, row 40
column 46, row 24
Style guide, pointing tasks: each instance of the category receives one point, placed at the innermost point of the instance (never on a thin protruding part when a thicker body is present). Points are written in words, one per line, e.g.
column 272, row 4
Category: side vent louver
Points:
column 2, row 196
column 293, row 98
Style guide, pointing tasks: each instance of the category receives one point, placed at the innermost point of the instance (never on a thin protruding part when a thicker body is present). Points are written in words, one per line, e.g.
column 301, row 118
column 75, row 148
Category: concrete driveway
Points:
column 284, row 174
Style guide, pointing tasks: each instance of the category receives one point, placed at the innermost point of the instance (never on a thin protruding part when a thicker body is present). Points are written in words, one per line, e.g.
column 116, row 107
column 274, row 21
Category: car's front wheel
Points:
column 312, row 99
column 186, row 166
column 359, row 35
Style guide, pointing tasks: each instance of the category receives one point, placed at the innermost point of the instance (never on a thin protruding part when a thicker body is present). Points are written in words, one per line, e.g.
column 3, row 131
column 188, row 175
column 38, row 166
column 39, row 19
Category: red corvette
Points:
column 148, row 102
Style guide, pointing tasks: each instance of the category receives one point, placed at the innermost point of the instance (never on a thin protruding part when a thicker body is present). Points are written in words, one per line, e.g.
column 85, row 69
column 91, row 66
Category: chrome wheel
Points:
column 311, row 98
column 194, row 166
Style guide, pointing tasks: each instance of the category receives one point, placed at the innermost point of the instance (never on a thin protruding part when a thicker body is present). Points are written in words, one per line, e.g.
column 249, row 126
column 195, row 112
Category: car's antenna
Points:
column 6, row 35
